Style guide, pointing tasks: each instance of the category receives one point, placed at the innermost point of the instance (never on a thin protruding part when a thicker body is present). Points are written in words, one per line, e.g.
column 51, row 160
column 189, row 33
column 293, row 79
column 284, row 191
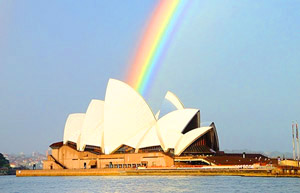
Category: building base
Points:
column 155, row 172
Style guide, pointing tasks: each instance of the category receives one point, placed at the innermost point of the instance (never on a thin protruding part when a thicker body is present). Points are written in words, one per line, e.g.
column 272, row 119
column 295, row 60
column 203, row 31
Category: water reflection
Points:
column 85, row 184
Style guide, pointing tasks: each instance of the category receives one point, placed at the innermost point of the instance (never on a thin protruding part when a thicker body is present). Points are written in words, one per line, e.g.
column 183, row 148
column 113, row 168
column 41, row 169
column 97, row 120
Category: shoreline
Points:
column 151, row 172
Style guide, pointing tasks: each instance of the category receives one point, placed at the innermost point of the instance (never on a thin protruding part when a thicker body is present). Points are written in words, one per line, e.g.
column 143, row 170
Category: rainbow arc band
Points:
column 160, row 29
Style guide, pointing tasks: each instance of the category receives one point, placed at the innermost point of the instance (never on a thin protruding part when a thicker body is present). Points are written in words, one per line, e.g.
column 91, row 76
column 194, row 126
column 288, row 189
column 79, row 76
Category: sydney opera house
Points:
column 123, row 132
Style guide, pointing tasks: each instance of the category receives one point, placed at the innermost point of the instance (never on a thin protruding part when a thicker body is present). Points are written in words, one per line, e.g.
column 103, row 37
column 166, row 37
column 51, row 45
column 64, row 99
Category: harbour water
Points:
column 85, row 184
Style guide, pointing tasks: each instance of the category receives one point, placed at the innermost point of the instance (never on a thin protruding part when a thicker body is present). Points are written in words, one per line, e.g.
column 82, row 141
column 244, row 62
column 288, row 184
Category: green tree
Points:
column 4, row 163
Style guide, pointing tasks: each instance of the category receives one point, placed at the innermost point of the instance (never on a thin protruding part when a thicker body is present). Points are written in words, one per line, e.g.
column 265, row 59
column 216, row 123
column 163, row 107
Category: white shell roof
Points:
column 93, row 125
column 126, row 113
column 157, row 115
column 150, row 138
column 126, row 119
column 136, row 139
column 73, row 127
column 174, row 100
column 188, row 138
column 172, row 124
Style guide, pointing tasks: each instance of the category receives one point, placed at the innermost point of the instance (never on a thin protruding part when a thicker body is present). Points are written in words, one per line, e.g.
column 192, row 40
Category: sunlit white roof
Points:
column 136, row 139
column 124, row 118
column 188, row 138
column 170, row 103
column 151, row 138
column 174, row 100
column 93, row 125
column 172, row 125
column 73, row 127
column 126, row 113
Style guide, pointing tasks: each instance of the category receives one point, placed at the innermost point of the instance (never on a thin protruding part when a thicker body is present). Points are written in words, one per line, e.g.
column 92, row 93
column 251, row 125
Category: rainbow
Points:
column 160, row 29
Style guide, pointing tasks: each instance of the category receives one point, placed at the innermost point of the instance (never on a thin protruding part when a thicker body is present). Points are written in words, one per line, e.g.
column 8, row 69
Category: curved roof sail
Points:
column 216, row 138
column 136, row 139
column 174, row 100
column 188, row 138
column 93, row 125
column 170, row 103
column 150, row 139
column 172, row 125
column 126, row 113
column 124, row 119
column 73, row 127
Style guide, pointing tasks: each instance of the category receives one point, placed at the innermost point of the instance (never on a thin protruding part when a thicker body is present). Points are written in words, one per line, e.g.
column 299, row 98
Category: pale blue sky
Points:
column 237, row 61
